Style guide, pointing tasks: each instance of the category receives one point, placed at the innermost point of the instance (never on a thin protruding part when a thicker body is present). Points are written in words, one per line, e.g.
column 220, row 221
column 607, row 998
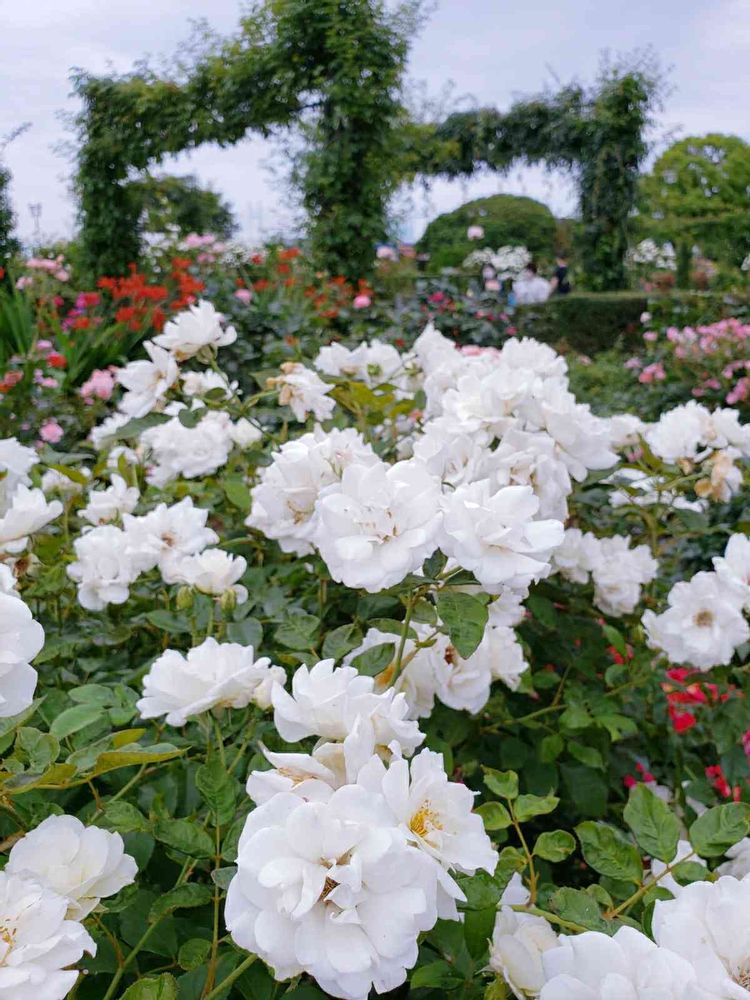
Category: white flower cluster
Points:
column 507, row 261
column 649, row 252
column 21, row 638
column 173, row 539
column 700, row 951
column 178, row 447
column 618, row 571
column 433, row 669
column 23, row 510
column 371, row 362
column 486, row 481
column 349, row 855
column 212, row 675
column 55, row 876
column 691, row 434
column 704, row 622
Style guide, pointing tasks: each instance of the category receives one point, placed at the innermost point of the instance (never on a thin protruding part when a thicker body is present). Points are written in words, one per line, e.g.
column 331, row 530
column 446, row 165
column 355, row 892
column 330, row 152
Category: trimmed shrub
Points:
column 505, row 218
column 586, row 322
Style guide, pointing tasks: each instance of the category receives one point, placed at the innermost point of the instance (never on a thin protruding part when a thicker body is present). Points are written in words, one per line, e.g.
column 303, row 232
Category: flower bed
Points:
column 387, row 668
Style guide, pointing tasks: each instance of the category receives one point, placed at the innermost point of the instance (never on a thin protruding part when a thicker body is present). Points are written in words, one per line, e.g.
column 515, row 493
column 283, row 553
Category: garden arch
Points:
column 336, row 67
column 598, row 134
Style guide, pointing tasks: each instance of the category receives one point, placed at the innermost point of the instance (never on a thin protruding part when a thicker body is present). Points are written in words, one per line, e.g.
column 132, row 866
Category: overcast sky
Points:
column 491, row 50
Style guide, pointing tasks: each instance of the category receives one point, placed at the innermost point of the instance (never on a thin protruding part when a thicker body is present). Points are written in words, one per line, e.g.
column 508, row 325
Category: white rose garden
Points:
column 366, row 630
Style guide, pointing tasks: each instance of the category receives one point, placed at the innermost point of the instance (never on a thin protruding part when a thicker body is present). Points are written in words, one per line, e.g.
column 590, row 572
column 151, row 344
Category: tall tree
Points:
column 698, row 191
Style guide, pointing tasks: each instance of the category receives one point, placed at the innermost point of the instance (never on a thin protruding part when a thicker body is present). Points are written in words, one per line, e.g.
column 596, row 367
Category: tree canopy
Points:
column 699, row 191
column 185, row 203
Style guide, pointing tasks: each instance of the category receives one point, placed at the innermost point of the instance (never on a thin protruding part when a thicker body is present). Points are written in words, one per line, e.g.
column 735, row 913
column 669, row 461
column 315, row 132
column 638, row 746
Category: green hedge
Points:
column 586, row 322
column 592, row 322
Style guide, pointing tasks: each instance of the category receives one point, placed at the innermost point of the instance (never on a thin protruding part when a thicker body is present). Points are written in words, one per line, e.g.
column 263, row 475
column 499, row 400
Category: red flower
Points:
column 681, row 721
column 56, row 360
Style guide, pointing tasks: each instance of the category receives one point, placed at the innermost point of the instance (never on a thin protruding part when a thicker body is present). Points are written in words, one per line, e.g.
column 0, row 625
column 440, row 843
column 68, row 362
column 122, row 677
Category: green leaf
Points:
column 341, row 641
column 481, row 890
column 191, row 418
column 608, row 853
column 41, row 749
column 168, row 621
column 74, row 475
column 223, row 876
column 391, row 627
column 654, row 826
column 73, row 719
column 193, row 954
column 375, row 659
column 719, row 828
column 185, row 835
column 502, row 783
column 219, row 789
column 551, row 747
column 575, row 717
column 589, row 756
column 93, row 694
column 579, row 908
column 238, row 494
column 478, row 926
column 184, row 897
column 124, row 818
column 511, row 860
column 543, row 610
column 136, row 427
column 528, row 806
column 298, row 632
column 247, row 632
column 129, row 755
column 615, row 639
column 438, row 975
column 554, row 845
column 494, row 816
column 163, row 988
column 464, row 618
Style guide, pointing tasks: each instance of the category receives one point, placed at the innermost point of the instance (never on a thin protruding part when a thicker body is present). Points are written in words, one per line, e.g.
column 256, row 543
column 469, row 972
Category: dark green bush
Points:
column 505, row 218
column 596, row 321
column 586, row 322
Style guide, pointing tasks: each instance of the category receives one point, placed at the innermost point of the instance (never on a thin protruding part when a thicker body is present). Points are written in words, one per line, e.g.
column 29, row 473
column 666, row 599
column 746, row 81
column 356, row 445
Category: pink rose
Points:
column 362, row 302
column 650, row 335
column 51, row 431
column 243, row 295
column 101, row 384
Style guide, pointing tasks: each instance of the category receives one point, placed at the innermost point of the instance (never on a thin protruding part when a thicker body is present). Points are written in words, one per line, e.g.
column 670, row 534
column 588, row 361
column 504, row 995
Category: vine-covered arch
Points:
column 598, row 134
column 334, row 66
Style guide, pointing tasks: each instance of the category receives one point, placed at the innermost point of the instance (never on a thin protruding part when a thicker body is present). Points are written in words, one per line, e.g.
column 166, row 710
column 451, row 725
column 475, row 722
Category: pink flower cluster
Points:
column 99, row 385
column 209, row 244
column 48, row 265
column 713, row 360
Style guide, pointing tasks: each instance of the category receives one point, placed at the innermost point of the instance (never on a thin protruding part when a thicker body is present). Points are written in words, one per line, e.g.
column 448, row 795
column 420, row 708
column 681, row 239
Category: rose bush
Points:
column 391, row 670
